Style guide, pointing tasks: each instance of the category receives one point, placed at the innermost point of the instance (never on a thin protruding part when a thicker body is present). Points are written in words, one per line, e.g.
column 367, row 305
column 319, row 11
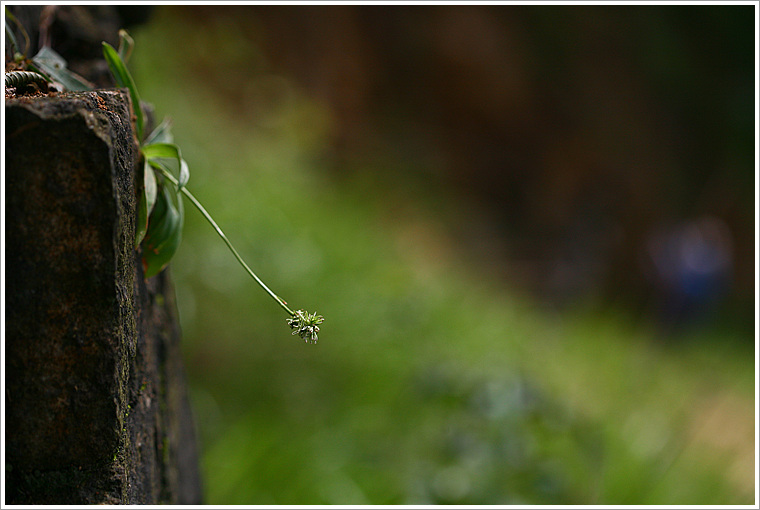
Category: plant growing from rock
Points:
column 165, row 172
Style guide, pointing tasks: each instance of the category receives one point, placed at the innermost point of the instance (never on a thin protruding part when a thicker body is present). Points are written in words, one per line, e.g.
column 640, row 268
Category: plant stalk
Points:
column 226, row 241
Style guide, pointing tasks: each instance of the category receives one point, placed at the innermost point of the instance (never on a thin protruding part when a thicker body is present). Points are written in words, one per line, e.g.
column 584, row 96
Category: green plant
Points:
column 166, row 173
column 45, row 67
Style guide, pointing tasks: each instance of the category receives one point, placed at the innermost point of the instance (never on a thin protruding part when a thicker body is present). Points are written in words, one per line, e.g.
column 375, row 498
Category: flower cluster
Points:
column 305, row 325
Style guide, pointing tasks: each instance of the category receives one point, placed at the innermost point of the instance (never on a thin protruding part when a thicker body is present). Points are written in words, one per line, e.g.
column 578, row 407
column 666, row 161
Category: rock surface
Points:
column 96, row 400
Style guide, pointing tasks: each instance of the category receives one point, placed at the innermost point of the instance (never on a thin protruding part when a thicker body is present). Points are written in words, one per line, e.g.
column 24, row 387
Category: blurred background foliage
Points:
column 530, row 230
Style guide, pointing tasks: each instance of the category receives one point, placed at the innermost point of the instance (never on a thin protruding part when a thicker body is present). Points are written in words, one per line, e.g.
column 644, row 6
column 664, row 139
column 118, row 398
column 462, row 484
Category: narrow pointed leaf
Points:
column 126, row 43
column 164, row 233
column 124, row 79
column 9, row 30
column 184, row 174
column 54, row 65
column 141, row 227
column 147, row 201
column 151, row 187
column 159, row 151
column 162, row 133
column 11, row 36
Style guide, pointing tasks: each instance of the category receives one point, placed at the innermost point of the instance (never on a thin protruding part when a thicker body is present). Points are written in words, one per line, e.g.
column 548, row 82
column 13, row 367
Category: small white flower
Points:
column 305, row 325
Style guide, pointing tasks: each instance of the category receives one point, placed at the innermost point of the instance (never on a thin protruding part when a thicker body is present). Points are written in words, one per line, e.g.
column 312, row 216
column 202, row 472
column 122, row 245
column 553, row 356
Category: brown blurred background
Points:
column 610, row 149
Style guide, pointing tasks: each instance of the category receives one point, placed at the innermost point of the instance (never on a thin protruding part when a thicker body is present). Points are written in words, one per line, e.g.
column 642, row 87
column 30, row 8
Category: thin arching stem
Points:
column 208, row 217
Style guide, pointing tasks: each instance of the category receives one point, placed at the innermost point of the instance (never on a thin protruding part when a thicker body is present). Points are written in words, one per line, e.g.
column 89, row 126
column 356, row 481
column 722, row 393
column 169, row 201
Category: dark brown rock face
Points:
column 96, row 400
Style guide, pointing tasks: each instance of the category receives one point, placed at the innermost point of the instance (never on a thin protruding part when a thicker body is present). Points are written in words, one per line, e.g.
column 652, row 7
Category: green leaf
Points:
column 158, row 151
column 124, row 79
column 162, row 134
column 15, row 48
column 141, row 227
column 184, row 174
column 9, row 32
column 161, row 150
column 147, row 201
column 151, row 187
column 126, row 43
column 54, row 65
column 164, row 233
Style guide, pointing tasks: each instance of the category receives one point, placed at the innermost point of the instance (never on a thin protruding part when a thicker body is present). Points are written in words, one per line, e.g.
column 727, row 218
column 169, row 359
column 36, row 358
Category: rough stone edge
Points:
column 177, row 480
column 93, row 107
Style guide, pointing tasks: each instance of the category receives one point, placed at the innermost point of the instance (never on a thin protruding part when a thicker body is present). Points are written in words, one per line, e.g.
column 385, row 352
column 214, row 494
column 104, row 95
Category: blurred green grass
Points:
column 430, row 383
